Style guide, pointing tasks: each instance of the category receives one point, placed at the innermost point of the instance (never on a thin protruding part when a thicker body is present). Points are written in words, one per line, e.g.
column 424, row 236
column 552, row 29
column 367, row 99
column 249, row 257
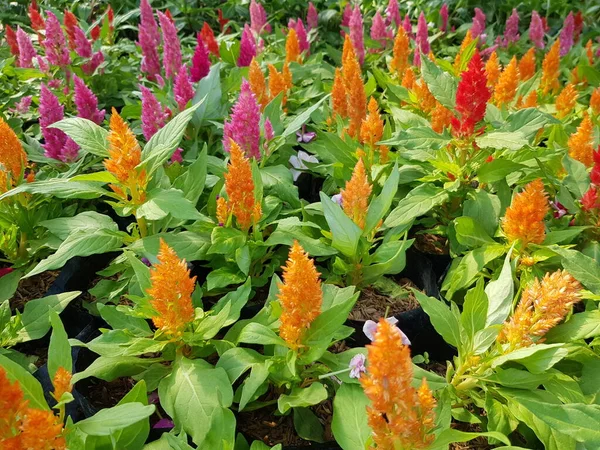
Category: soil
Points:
column 102, row 394
column 372, row 304
column 479, row 443
column 431, row 244
column 33, row 288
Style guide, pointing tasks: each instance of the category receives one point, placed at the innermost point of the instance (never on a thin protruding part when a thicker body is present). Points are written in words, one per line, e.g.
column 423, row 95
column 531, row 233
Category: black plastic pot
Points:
column 309, row 187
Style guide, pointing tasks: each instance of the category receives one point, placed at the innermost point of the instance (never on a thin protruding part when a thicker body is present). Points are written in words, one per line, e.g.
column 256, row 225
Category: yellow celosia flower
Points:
column 339, row 102
column 400, row 416
column 458, row 62
column 371, row 129
column 171, row 291
column 12, row 157
column 527, row 65
column 355, row 196
column 258, row 85
column 61, row 383
column 543, row 305
column 401, row 53
column 524, row 218
column 408, row 80
column 595, row 101
column 300, row 296
column 292, row 47
column 566, row 101
column 506, row 88
column 581, row 143
column 492, row 70
column 441, row 118
column 550, row 69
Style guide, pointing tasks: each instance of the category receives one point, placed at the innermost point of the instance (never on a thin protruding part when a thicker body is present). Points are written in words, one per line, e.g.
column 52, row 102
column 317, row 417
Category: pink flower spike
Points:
column 536, row 30
column 302, row 37
column 86, row 102
column 177, row 156
column 422, row 38
column 566, row 35
column 243, row 125
column 183, row 89
column 511, row 32
column 444, row 17
column 312, row 17
column 392, row 13
column 478, row 23
column 356, row 34
column 379, row 31
column 149, row 41
column 407, row 26
column 83, row 46
column 247, row 48
column 258, row 18
column 90, row 67
column 154, row 116
column 148, row 23
column 171, row 46
column 268, row 130
column 42, row 64
column 55, row 43
column 57, row 144
column 200, row 62
column 22, row 106
column 346, row 18
column 26, row 50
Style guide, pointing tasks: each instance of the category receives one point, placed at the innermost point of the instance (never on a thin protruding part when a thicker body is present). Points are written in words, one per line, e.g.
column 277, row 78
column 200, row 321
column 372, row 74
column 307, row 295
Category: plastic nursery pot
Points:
column 309, row 187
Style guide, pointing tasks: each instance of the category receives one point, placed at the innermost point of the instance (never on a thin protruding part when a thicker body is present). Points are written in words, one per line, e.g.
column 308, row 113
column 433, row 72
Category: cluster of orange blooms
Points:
column 171, row 292
column 12, row 157
column 355, row 196
column 459, row 62
column 400, row 415
column 292, row 47
column 551, row 69
column 566, row 100
column 300, row 296
column 25, row 428
column 278, row 82
column 543, row 305
column 524, row 218
column 371, row 131
column 239, row 187
column 581, row 143
column 401, row 53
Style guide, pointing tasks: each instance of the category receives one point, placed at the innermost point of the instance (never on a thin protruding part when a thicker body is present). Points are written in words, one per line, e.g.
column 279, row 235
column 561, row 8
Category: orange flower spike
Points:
column 524, row 218
column 589, row 52
column 239, row 186
column 371, row 129
column 527, row 65
column 300, row 296
column 551, row 69
column 61, row 383
column 357, row 98
column 124, row 151
column 492, row 70
column 441, row 118
column 401, row 52
column 338, row 94
column 581, row 143
column 543, row 305
column 566, row 100
column 12, row 404
column 427, row 404
column 12, row 156
column 463, row 46
column 355, row 196
column 531, row 101
column 41, row 430
column 595, row 101
column 408, row 80
column 292, row 47
column 257, row 82
column 425, row 98
column 222, row 211
column 506, row 88
column 171, row 291
column 347, row 51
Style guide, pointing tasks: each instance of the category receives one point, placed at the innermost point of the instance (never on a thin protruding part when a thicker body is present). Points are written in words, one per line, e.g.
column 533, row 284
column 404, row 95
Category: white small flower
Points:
column 357, row 365
column 298, row 163
column 337, row 198
column 370, row 327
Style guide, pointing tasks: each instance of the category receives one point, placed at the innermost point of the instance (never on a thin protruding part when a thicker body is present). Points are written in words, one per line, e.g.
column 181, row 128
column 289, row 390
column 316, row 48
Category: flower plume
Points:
column 355, row 196
column 524, row 218
column 243, row 127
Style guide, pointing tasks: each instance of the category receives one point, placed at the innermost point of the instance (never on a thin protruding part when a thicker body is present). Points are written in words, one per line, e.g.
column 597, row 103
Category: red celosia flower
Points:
column 589, row 200
column 222, row 20
column 471, row 98
column 207, row 35
column 70, row 22
column 111, row 18
column 37, row 21
column 95, row 33
column 11, row 39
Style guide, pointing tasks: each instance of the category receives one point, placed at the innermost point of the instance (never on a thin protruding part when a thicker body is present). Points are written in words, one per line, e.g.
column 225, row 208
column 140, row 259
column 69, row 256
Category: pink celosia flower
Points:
column 312, row 17
column 177, row 156
column 268, row 130
column 243, row 125
column 55, row 43
column 511, row 32
column 392, row 13
column 478, row 23
column 200, row 62
column 247, row 48
column 444, row 17
column 154, row 116
column 57, row 144
column 42, row 64
column 83, row 46
column 422, row 39
column 379, row 31
column 183, row 89
column 489, row 50
column 91, row 66
column 346, row 18
column 301, row 33
column 86, row 102
column 149, row 41
column 26, row 50
column 356, row 34
column 536, row 30
column 148, row 23
column 566, row 35
column 22, row 106
column 258, row 18
column 407, row 26
column 171, row 46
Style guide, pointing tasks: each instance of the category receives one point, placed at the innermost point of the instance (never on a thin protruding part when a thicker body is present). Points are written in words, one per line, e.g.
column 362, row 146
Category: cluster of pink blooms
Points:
column 171, row 46
column 298, row 26
column 86, row 102
column 478, row 24
column 149, row 41
column 567, row 35
column 57, row 144
column 444, row 17
column 26, row 50
column 393, row 13
column 200, row 61
column 55, row 44
column 243, row 125
column 356, row 33
column 422, row 39
column 154, row 116
column 511, row 32
column 536, row 30
column 380, row 31
column 247, row 47
column 183, row 88
column 258, row 18
column 312, row 17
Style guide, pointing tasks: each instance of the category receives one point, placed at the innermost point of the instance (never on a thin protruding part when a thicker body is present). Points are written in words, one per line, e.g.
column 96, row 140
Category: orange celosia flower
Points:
column 400, row 416
column 458, row 62
column 300, row 296
column 408, row 80
column 171, row 290
column 506, row 88
column 543, row 305
column 41, row 430
column 222, row 211
column 279, row 82
column 12, row 156
column 595, row 101
column 338, row 94
column 566, row 100
column 424, row 96
column 401, row 53
column 257, row 82
column 441, row 118
column 124, row 156
column 355, row 89
column 527, row 65
column 61, row 383
column 292, row 47
column 589, row 52
column 492, row 70
column 531, row 101
column 371, row 129
column 550, row 69
column 12, row 404
column 524, row 218
column 239, row 186
column 581, row 143
column 355, row 196
column 348, row 50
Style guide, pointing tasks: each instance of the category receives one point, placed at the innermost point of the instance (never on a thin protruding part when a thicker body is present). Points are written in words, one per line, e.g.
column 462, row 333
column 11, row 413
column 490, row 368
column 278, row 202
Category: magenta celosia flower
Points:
column 42, row 63
column 86, row 102
column 149, row 41
column 379, row 31
column 247, row 48
column 302, row 37
column 200, row 62
column 171, row 46
column 511, row 32
column 268, row 130
column 346, row 18
column 177, row 156
column 312, row 17
column 55, row 44
column 444, row 17
column 148, row 23
column 154, row 116
column 407, row 26
column 478, row 23
column 536, row 30
column 392, row 13
column 356, row 33
column 83, row 47
column 91, row 66
column 258, row 18
column 183, row 89
column 57, row 144
column 422, row 39
column 26, row 50
column 566, row 35
column 244, row 123
column 22, row 106
column 489, row 50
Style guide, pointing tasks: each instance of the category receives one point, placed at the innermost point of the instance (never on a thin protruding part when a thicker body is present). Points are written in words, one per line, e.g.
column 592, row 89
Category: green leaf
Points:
column 484, row 208
column 450, row 435
column 88, row 221
column 187, row 244
column 109, row 368
column 518, row 379
column 208, row 96
column 585, row 269
column 225, row 241
column 537, row 359
column 35, row 318
column 442, row 318
column 59, row 350
column 91, row 137
column 390, row 258
column 583, row 325
column 9, row 284
column 419, row 201
column 382, row 203
column 301, row 118
column 441, row 84
column 497, row 170
column 345, row 233
column 302, row 397
column 243, row 259
column 107, row 421
column 119, row 320
column 256, row 333
column 471, row 233
column 60, row 188
column 563, row 236
column 500, row 140
column 279, row 180
column 475, row 308
column 193, row 180
column 307, row 425
column 161, row 203
column 529, row 121
column 349, row 424
column 500, row 294
column 32, row 389
column 224, row 276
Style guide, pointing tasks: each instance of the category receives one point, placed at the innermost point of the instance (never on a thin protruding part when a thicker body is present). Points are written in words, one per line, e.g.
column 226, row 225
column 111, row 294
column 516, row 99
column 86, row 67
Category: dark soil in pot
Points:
column 32, row 288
